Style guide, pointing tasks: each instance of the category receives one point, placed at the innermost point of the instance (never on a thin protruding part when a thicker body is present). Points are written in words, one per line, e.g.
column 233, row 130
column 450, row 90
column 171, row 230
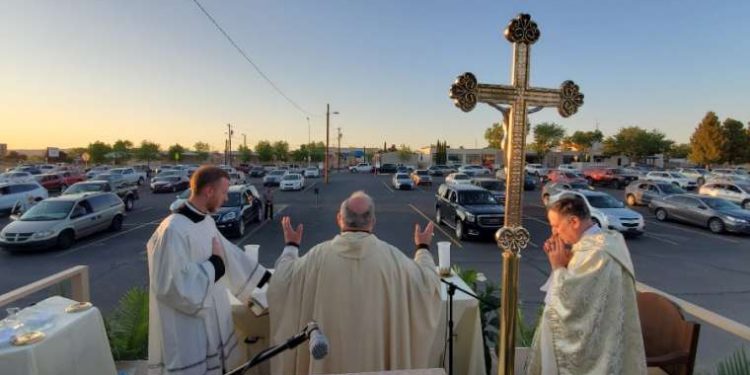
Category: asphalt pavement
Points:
column 688, row 262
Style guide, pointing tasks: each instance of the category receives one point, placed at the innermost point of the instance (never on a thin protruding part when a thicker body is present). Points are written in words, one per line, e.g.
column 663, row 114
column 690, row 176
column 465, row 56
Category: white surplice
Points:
column 190, row 318
column 590, row 323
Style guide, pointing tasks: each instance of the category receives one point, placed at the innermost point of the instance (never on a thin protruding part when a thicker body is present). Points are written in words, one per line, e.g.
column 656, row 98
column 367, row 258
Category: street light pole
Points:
column 328, row 124
column 338, row 156
column 309, row 144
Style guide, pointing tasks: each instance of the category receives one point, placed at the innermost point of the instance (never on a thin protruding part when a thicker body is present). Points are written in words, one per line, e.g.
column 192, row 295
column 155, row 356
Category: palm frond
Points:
column 736, row 364
column 127, row 326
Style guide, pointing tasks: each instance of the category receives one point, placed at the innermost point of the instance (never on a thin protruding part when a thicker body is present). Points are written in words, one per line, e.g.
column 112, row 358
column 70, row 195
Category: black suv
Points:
column 470, row 210
column 387, row 168
column 243, row 206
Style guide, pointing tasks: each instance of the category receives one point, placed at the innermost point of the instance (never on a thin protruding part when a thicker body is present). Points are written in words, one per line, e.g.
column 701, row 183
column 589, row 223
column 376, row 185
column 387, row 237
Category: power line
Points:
column 247, row 58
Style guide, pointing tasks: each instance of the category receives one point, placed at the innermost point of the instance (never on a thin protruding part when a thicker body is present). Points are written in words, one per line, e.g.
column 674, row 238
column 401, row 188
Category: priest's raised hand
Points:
column 379, row 308
column 191, row 269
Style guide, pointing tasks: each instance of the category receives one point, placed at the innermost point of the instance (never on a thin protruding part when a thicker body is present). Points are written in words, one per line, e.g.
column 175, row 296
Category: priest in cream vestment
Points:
column 191, row 268
column 590, row 323
column 379, row 309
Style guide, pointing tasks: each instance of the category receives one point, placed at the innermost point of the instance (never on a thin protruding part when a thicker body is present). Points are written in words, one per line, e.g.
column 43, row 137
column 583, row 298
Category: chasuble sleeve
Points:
column 176, row 280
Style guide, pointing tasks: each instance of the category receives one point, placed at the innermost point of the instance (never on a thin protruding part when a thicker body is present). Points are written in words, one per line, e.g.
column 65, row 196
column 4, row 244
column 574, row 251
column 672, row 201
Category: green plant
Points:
column 736, row 364
column 127, row 326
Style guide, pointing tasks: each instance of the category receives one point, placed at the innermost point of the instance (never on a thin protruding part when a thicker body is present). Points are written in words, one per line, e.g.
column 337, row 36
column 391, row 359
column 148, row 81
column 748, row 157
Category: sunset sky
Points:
column 73, row 72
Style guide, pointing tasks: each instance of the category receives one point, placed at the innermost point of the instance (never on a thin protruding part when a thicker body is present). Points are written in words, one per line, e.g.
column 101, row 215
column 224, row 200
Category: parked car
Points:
column 458, row 178
column 24, row 192
column 130, row 175
column 537, row 170
column 236, row 178
column 734, row 192
column 642, row 192
column 70, row 177
column 180, row 199
column 421, row 177
column 292, row 181
column 607, row 212
column 361, row 168
column 435, row 170
column 529, row 182
column 58, row 222
column 311, row 172
column 494, row 186
column 127, row 193
column 273, row 178
column 617, row 178
column 568, row 168
column 243, row 206
column 172, row 184
column 716, row 214
column 674, row 178
column 556, row 175
column 16, row 177
column 95, row 171
column 474, row 170
column 257, row 172
column 697, row 174
column 145, row 169
column 387, row 168
column 554, row 188
column 51, row 181
column 732, row 174
column 470, row 210
column 402, row 181
column 27, row 168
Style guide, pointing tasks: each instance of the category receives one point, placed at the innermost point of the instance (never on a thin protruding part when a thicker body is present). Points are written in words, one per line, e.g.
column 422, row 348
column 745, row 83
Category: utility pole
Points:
column 309, row 144
column 338, row 157
column 328, row 124
column 230, row 132
column 244, row 139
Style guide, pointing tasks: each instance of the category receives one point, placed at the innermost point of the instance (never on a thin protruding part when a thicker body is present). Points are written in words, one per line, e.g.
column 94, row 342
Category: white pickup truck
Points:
column 361, row 168
column 130, row 175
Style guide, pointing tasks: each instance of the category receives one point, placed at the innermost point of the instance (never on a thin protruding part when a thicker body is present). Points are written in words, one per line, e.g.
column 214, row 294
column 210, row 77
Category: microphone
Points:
column 318, row 341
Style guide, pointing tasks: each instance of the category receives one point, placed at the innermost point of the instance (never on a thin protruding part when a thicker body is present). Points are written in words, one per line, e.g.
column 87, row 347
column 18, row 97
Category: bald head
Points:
column 357, row 213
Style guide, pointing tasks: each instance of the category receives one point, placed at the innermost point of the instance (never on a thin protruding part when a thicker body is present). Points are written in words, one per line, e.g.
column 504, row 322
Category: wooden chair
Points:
column 671, row 342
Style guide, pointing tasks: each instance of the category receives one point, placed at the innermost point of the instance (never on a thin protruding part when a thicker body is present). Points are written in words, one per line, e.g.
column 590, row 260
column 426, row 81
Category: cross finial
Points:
column 522, row 30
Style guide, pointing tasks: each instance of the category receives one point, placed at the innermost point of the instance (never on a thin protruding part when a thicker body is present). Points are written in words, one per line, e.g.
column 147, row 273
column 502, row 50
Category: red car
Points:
column 51, row 181
column 71, row 177
column 556, row 175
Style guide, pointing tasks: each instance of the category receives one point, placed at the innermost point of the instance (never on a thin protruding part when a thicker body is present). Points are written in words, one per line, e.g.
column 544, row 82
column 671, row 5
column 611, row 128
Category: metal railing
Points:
column 78, row 289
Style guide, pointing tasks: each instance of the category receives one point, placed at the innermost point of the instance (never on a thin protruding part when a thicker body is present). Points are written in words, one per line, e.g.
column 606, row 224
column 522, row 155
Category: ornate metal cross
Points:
column 522, row 32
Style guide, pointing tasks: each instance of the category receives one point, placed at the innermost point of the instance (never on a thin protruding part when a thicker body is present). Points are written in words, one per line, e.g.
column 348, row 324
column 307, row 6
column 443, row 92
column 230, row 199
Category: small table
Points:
column 76, row 344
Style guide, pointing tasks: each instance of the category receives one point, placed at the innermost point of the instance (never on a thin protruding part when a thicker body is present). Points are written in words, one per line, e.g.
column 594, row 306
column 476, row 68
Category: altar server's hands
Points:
column 290, row 234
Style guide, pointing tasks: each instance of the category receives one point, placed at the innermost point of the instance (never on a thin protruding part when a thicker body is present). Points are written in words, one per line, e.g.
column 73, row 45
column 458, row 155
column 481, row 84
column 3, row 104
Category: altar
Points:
column 467, row 333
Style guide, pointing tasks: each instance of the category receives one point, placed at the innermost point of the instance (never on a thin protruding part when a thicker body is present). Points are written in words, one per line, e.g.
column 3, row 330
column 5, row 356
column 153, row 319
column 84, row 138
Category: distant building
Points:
column 489, row 157
column 3, row 150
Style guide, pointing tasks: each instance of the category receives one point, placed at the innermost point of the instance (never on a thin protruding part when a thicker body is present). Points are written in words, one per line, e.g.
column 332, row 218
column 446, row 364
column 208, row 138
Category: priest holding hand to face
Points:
column 191, row 267
column 590, row 323
column 379, row 308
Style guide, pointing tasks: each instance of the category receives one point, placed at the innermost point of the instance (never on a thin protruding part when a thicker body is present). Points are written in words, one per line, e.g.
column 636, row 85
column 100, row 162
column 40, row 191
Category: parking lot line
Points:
column 105, row 239
column 651, row 235
column 310, row 187
column 711, row 236
column 437, row 226
column 387, row 187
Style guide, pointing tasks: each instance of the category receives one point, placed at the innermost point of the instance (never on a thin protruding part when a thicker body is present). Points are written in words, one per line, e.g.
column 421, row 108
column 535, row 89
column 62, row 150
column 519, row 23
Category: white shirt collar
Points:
column 594, row 229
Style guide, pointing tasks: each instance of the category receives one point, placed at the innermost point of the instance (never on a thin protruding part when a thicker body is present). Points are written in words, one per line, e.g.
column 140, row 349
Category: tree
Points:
column 636, row 143
column 175, row 152
column 121, row 150
column 245, row 153
column 147, row 151
column 582, row 141
column 281, row 150
column 98, row 151
column 679, row 151
column 264, row 150
column 546, row 136
column 203, row 150
column 317, row 151
column 736, row 142
column 707, row 141
column 300, row 154
column 14, row 156
column 441, row 152
column 404, row 153
column 494, row 135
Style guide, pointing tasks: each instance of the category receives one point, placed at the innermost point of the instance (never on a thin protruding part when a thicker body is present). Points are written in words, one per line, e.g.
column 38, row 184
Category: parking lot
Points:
column 692, row 263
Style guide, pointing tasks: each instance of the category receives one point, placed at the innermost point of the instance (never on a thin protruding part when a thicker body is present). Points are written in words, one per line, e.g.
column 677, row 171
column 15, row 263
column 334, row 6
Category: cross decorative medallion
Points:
column 466, row 92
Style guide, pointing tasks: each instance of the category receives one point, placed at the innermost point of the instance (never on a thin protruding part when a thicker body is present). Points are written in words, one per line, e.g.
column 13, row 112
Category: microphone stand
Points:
column 273, row 351
column 452, row 287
